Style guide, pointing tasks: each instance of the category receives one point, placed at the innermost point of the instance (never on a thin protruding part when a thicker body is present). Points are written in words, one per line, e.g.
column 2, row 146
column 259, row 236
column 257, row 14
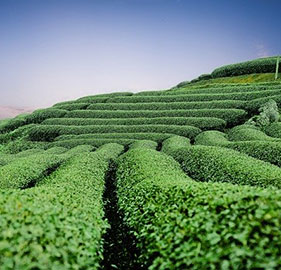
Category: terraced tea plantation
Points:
column 186, row 178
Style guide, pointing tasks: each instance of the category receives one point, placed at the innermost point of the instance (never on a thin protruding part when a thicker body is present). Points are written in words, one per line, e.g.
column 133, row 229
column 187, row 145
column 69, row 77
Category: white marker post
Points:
column 277, row 67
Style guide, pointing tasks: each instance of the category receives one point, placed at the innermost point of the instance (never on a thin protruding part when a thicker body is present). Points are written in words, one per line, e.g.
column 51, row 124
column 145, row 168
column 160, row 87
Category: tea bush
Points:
column 183, row 224
column 217, row 164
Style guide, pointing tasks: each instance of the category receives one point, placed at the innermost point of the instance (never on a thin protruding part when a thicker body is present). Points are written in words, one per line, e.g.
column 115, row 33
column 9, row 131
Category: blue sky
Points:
column 56, row 50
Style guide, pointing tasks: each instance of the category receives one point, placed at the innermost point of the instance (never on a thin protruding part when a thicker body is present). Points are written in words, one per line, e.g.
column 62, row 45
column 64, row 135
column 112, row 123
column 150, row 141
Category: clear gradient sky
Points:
column 56, row 50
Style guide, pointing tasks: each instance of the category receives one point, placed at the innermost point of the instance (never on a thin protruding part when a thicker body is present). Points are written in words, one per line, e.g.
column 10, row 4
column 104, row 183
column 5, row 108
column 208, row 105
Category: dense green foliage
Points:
column 66, row 204
column 212, row 137
column 248, row 133
column 58, row 224
column 229, row 115
column 144, row 144
column 217, row 164
column 262, row 65
column 174, row 143
column 182, row 224
column 200, row 122
column 49, row 133
column 25, row 172
column 274, row 130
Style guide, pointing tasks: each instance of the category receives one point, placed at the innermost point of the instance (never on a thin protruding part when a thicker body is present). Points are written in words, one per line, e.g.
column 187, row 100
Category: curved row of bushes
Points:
column 227, row 89
column 49, row 133
column 157, row 137
column 183, row 105
column 230, row 115
column 264, row 150
column 96, row 142
column 60, row 223
column 147, row 144
column 218, row 164
column 36, row 117
column 174, row 143
column 182, row 224
column 274, row 130
column 248, row 133
column 196, row 97
column 262, row 65
column 71, row 106
column 24, row 172
column 200, row 122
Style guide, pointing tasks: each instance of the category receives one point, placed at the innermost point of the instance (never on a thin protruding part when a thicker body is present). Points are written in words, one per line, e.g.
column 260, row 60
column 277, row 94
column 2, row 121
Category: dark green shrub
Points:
column 262, row 65
column 254, row 105
column 263, row 150
column 174, row 143
column 59, row 224
column 183, row 224
column 229, row 115
column 158, row 137
column 248, row 133
column 184, row 105
column 72, row 106
column 24, row 172
column 144, row 144
column 200, row 122
column 212, row 137
column 56, row 150
column 274, row 130
column 49, row 133
column 95, row 142
column 196, row 97
column 80, row 149
column 217, row 164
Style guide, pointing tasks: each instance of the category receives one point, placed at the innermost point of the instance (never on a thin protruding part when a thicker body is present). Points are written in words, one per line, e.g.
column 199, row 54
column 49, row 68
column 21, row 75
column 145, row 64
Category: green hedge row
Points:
column 59, row 224
column 263, row 65
column 274, row 130
column 196, row 97
column 263, row 150
column 212, row 137
column 182, row 224
column 144, row 144
column 72, row 106
column 36, row 117
column 157, row 137
column 95, row 142
column 200, row 122
column 248, row 133
column 24, row 172
column 229, row 115
column 184, row 105
column 266, row 151
column 49, row 133
column 220, row 90
column 174, row 143
column 254, row 105
column 217, row 164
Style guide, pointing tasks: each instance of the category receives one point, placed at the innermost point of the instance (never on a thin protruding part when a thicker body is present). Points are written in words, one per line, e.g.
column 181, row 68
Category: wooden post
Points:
column 277, row 67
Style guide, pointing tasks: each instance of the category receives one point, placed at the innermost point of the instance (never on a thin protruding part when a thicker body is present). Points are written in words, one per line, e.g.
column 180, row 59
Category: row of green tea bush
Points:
column 220, row 90
column 60, row 223
column 184, row 105
column 49, row 133
column 229, row 115
column 219, row 164
column 266, row 150
column 196, row 97
column 263, row 65
column 183, row 224
column 200, row 122
column 36, row 117
column 157, row 137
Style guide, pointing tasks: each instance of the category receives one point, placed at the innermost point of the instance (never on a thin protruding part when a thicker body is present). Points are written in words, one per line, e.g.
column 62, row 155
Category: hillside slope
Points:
column 185, row 178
